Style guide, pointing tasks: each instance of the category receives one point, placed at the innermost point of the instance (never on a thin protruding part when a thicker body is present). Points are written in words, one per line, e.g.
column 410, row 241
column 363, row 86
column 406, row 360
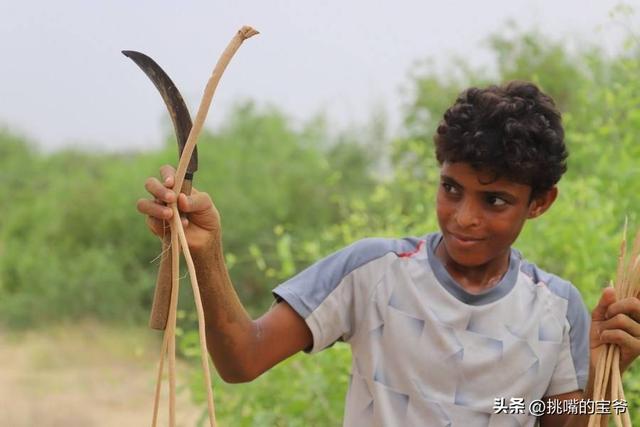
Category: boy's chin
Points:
column 466, row 256
column 468, row 261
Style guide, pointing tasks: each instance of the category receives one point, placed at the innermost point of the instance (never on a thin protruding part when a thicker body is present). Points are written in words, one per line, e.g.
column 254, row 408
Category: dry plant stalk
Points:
column 179, row 240
column 608, row 375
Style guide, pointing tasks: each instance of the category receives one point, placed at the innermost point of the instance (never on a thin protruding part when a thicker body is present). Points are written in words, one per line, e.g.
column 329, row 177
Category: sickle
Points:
column 182, row 126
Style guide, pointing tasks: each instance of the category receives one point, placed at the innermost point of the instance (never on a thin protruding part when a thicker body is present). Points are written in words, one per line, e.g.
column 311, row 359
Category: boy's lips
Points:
column 462, row 239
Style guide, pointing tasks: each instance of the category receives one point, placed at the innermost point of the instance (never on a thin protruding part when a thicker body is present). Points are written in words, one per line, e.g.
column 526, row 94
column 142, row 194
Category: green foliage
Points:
column 265, row 176
column 59, row 243
column 302, row 391
column 534, row 57
column 73, row 244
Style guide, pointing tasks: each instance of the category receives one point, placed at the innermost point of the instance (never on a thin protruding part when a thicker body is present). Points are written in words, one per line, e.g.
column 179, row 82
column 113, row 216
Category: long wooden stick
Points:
column 626, row 418
column 204, row 355
column 175, row 283
column 156, row 398
column 178, row 240
column 243, row 34
column 615, row 384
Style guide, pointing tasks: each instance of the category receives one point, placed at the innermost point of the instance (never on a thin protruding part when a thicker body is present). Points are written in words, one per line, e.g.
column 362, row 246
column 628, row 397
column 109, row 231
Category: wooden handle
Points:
column 162, row 294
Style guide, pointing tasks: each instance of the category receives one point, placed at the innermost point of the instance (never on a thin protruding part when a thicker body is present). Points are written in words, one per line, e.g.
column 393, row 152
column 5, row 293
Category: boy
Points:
column 440, row 326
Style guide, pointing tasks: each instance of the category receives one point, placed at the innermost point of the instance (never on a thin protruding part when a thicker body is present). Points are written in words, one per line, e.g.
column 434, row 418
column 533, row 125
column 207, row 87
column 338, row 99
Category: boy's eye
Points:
column 448, row 188
column 496, row 201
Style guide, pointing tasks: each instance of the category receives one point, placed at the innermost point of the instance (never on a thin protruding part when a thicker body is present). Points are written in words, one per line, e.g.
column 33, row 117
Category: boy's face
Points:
column 479, row 222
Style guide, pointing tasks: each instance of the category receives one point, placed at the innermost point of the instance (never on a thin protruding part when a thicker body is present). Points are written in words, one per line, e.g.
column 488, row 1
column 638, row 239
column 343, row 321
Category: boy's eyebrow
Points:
column 449, row 180
column 502, row 194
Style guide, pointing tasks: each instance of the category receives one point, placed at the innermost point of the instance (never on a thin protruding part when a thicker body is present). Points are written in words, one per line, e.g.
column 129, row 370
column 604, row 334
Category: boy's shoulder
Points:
column 576, row 312
column 309, row 288
column 367, row 250
column 556, row 284
column 383, row 245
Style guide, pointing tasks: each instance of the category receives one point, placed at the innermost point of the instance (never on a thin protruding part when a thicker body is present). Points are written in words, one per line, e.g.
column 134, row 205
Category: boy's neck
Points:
column 474, row 279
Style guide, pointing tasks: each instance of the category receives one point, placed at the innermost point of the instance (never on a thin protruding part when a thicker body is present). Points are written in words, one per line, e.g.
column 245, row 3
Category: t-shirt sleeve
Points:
column 572, row 370
column 332, row 294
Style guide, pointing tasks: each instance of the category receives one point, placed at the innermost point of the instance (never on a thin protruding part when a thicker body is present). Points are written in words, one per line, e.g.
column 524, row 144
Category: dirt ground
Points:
column 85, row 375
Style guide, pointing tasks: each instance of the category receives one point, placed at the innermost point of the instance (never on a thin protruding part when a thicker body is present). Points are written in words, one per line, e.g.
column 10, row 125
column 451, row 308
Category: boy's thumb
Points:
column 607, row 298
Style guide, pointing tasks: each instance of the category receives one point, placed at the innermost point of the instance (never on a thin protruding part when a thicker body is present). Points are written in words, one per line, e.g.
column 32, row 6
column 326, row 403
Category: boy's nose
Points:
column 467, row 215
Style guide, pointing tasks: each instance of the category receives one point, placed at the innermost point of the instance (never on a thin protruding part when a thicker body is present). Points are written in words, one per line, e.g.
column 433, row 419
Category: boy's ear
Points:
column 542, row 202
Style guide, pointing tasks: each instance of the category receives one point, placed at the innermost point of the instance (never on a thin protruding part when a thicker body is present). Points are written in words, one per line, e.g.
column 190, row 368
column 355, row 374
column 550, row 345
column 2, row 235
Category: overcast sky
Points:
column 63, row 80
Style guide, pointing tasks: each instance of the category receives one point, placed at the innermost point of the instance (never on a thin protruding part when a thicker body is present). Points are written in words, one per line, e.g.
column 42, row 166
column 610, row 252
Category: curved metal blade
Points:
column 172, row 99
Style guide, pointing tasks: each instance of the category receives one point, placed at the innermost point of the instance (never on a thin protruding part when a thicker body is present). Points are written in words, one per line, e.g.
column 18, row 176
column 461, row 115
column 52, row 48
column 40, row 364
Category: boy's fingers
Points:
column 196, row 202
column 622, row 322
column 159, row 191
column 607, row 298
column 157, row 226
column 629, row 306
column 167, row 173
column 154, row 209
column 622, row 338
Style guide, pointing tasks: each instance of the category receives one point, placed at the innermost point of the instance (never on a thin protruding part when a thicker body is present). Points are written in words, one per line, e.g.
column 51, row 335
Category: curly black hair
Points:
column 512, row 131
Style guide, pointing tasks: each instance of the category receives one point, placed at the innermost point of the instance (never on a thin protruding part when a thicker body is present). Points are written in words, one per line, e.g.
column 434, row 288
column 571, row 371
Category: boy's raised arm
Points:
column 240, row 347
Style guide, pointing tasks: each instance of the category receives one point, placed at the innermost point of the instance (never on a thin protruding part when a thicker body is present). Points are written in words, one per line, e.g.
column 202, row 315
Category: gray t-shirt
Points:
column 427, row 352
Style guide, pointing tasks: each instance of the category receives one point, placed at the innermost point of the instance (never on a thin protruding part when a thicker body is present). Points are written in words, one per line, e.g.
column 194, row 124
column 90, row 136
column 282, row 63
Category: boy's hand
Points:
column 616, row 322
column 201, row 222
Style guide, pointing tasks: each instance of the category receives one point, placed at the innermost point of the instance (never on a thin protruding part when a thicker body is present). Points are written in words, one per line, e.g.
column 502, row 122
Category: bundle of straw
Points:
column 627, row 284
